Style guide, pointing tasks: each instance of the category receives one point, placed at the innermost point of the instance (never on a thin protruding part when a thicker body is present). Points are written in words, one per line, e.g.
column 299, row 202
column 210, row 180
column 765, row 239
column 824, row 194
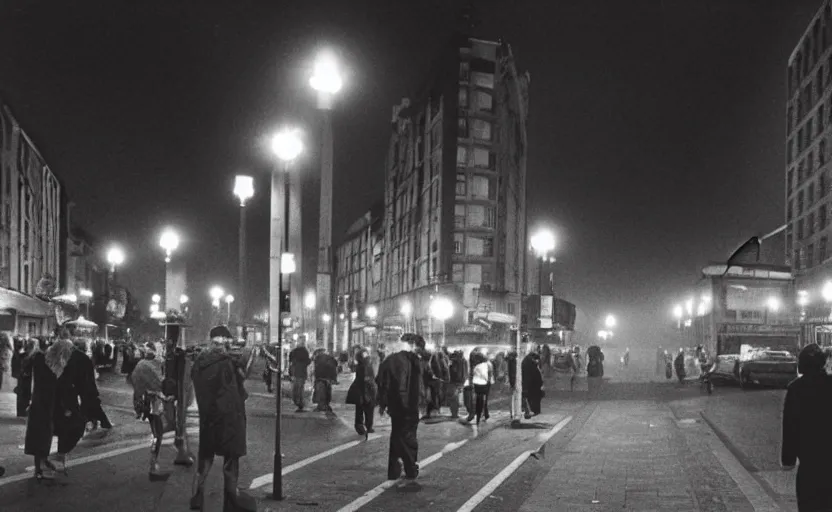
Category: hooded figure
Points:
column 63, row 397
column 807, row 422
column 218, row 382
column 363, row 391
column 400, row 387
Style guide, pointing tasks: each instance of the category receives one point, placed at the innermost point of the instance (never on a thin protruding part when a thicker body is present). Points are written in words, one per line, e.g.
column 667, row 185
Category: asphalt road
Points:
column 599, row 449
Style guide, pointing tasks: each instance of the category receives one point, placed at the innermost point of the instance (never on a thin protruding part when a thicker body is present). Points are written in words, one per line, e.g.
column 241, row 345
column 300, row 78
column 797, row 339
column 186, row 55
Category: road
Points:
column 639, row 445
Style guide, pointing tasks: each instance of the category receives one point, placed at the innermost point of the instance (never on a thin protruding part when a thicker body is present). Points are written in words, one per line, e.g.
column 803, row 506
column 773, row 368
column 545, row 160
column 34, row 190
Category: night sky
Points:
column 656, row 127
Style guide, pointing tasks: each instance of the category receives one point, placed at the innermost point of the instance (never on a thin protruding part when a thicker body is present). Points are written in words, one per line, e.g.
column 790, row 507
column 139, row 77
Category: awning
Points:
column 22, row 304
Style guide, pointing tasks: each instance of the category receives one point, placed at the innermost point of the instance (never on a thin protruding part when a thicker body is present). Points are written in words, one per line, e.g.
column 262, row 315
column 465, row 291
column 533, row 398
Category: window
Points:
column 820, row 118
column 480, row 246
column 810, row 195
column 483, row 158
column 459, row 216
column 483, row 102
column 822, row 184
column 463, row 97
column 810, row 256
column 473, row 274
column 480, row 79
column 480, row 187
column 800, row 204
column 458, row 272
column 822, row 249
column 464, row 71
column 459, row 239
column 789, row 182
column 481, row 129
column 462, row 128
column 822, row 217
column 486, row 275
column 461, row 156
column 822, row 152
column 480, row 216
column 461, row 184
column 800, row 229
column 490, row 217
column 810, row 224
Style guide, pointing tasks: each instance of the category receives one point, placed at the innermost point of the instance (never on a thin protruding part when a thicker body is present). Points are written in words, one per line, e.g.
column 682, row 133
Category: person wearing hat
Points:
column 807, row 422
column 218, row 378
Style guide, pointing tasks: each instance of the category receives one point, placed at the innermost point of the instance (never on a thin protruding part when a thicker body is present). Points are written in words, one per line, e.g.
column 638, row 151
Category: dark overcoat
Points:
column 63, row 398
column 220, row 396
column 401, row 385
column 364, row 390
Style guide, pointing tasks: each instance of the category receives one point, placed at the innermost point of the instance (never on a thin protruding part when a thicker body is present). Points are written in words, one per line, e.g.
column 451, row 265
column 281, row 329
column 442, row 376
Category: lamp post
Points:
column 372, row 316
column 115, row 257
column 327, row 82
column 442, row 309
column 543, row 243
column 169, row 241
column 216, row 293
column 287, row 146
column 87, row 295
column 309, row 303
column 228, row 300
column 406, row 311
column 243, row 190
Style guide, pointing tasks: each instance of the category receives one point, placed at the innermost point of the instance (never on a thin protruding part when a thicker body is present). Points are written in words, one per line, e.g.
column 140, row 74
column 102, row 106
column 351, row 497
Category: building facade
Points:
column 455, row 197
column 32, row 232
column 358, row 263
column 808, row 178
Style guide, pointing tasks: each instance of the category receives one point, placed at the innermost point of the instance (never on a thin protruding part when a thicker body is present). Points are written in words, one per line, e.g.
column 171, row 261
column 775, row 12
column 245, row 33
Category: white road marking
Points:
column 264, row 480
column 93, row 458
column 503, row 475
column 378, row 490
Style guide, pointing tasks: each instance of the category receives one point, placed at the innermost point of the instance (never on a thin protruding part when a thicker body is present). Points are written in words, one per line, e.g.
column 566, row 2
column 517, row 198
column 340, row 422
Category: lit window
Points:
column 482, row 79
column 459, row 272
column 482, row 101
column 480, row 129
column 463, row 97
column 461, row 184
column 459, row 239
column 461, row 156
column 459, row 215
column 480, row 187
column 482, row 158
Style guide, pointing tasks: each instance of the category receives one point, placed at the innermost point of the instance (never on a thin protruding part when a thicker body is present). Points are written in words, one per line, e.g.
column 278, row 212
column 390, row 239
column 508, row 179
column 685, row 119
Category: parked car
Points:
column 725, row 369
column 764, row 367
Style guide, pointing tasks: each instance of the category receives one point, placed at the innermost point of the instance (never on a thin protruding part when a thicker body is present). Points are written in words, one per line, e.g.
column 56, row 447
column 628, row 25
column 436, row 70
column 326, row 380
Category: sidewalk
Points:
column 637, row 456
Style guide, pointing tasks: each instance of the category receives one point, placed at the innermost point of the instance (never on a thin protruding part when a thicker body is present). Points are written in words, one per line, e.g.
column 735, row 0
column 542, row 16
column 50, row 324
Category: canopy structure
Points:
column 82, row 323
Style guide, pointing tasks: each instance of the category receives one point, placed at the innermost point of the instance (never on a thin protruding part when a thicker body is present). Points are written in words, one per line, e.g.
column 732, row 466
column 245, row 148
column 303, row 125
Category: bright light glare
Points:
column 309, row 300
column 287, row 144
column 183, row 299
column 407, row 308
column 216, row 293
column 326, row 318
column 372, row 312
column 243, row 188
column 154, row 308
column 702, row 309
column 86, row 293
column 115, row 256
column 169, row 242
column 543, row 242
column 229, row 299
column 287, row 263
column 827, row 291
column 689, row 307
column 156, row 298
column 610, row 321
column 325, row 76
column 677, row 311
column 773, row 303
column 441, row 308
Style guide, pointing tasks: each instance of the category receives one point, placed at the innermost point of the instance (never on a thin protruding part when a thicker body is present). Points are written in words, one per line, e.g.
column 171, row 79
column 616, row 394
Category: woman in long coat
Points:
column 24, row 376
column 62, row 377
column 363, row 392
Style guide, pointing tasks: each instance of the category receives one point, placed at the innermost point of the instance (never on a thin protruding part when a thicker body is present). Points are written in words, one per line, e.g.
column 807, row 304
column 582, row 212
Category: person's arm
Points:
column 791, row 431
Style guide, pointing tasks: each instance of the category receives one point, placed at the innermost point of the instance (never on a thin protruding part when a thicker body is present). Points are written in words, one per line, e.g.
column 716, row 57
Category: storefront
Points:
column 22, row 315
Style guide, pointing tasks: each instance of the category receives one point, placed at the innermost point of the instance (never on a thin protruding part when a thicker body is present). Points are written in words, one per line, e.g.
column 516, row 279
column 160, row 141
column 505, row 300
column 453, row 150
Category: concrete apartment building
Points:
column 32, row 234
column 455, row 197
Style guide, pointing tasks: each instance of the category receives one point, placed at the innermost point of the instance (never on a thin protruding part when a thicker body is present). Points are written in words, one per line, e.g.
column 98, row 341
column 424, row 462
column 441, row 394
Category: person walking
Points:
column 458, row 377
column 594, row 368
column 6, row 351
column 626, row 358
column 400, row 388
column 218, row 379
column 532, row 385
column 23, row 389
column 807, row 421
column 299, row 361
column 62, row 400
column 326, row 374
column 481, row 378
column 363, row 392
column 679, row 366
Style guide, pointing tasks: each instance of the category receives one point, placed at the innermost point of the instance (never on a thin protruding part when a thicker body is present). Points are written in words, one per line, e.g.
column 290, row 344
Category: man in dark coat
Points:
column 326, row 374
column 299, row 371
column 62, row 400
column 363, row 392
column 400, row 384
column 807, row 422
column 532, row 384
column 218, row 378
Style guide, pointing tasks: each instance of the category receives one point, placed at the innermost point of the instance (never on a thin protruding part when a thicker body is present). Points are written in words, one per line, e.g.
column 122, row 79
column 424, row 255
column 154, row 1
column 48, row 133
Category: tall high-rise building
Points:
column 455, row 197
column 808, row 133
column 32, row 232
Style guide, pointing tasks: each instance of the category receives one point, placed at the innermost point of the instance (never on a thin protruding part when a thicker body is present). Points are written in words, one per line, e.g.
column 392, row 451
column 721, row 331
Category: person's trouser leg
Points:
column 453, row 400
column 297, row 391
column 369, row 416
column 204, row 464
column 230, row 474
column 394, row 468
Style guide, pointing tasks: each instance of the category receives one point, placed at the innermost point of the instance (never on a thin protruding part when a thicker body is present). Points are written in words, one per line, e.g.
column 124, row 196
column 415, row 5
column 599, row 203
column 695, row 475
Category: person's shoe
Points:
column 361, row 430
column 397, row 472
column 409, row 485
column 197, row 500
column 371, row 431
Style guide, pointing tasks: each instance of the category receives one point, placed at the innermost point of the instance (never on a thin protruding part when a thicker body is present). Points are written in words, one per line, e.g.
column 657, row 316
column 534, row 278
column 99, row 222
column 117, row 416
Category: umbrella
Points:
column 83, row 323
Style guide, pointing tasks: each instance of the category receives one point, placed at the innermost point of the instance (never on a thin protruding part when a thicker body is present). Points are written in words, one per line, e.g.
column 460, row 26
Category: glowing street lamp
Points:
column 244, row 190
column 169, row 241
column 228, row 300
column 183, row 299
column 442, row 309
column 216, row 292
column 115, row 257
column 309, row 300
column 326, row 77
column 678, row 312
column 372, row 312
column 773, row 304
column 406, row 310
column 326, row 318
column 689, row 307
column 802, row 298
column 827, row 291
column 543, row 242
column 287, row 144
column 156, row 298
column 609, row 322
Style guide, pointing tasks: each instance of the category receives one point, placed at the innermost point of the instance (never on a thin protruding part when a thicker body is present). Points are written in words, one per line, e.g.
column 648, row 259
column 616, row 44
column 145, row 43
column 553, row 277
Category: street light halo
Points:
column 309, row 300
column 326, row 76
column 243, row 188
column 441, row 308
column 610, row 321
column 287, row 144
column 543, row 242
column 216, row 293
column 372, row 312
column 229, row 299
column 115, row 256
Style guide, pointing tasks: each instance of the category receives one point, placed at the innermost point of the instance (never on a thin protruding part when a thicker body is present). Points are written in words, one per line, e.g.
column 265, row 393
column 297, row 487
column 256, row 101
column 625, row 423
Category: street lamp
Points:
column 609, row 322
column 115, row 257
column 326, row 318
column 372, row 312
column 327, row 81
column 244, row 190
column 228, row 300
column 156, row 298
column 169, row 241
column 826, row 292
column 543, row 243
column 406, row 310
column 442, row 309
column 689, row 307
column 287, row 146
column 183, row 299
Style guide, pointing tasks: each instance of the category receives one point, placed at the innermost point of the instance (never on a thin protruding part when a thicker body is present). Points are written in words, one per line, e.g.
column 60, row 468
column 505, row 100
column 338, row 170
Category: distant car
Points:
column 724, row 369
column 765, row 367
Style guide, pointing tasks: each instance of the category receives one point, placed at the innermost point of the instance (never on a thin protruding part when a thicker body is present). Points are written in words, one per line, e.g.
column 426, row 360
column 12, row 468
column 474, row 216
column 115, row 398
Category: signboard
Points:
column 547, row 306
column 757, row 329
column 749, row 298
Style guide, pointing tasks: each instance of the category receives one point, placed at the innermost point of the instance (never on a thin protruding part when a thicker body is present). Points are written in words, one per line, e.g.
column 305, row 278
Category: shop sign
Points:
column 757, row 329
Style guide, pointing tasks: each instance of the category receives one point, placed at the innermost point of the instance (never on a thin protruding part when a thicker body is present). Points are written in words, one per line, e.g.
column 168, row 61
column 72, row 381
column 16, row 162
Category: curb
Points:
column 736, row 452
